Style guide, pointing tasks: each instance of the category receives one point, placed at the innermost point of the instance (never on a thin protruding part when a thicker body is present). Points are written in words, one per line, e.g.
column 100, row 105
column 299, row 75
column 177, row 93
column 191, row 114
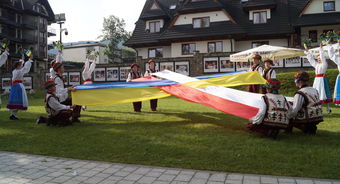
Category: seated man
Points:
column 274, row 113
column 58, row 114
column 307, row 110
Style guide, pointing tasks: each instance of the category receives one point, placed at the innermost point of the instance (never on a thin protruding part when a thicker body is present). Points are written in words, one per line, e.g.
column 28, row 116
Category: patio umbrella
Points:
column 315, row 51
column 267, row 51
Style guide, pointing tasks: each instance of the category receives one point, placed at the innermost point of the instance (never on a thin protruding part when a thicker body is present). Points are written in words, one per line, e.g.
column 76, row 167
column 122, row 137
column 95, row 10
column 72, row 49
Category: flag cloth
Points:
column 125, row 92
column 235, row 102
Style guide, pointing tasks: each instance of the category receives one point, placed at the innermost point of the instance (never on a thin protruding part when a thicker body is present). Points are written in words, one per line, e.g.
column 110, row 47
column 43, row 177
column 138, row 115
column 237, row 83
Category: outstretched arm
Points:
column 332, row 54
column 3, row 57
column 92, row 67
column 310, row 58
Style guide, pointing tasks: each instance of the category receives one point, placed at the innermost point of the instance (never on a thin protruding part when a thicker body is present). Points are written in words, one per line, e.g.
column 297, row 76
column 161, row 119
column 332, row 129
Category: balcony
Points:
column 7, row 21
column 30, row 26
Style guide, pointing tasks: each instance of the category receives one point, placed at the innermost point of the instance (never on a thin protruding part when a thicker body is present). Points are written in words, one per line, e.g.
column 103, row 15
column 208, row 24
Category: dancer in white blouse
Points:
column 18, row 97
column 332, row 50
column 87, row 72
column 3, row 59
column 58, row 59
column 321, row 82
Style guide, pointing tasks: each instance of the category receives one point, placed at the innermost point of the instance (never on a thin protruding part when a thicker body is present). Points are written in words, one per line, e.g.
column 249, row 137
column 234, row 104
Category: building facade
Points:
column 77, row 52
column 202, row 31
column 24, row 23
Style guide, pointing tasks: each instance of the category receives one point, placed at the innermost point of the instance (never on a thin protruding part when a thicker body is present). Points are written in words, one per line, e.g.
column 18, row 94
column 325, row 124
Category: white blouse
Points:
column 61, row 92
column 332, row 54
column 320, row 68
column 59, row 59
column 19, row 74
column 3, row 58
column 88, row 70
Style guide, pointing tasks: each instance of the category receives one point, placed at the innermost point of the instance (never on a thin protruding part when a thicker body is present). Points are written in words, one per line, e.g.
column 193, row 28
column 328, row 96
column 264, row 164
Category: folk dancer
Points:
column 3, row 59
column 256, row 67
column 87, row 72
column 307, row 109
column 336, row 59
column 274, row 112
column 58, row 114
column 62, row 92
column 268, row 72
column 321, row 82
column 58, row 59
column 18, row 97
column 135, row 74
column 149, row 72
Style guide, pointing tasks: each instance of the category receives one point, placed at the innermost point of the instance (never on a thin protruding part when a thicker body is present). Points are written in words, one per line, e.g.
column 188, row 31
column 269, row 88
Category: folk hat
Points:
column 134, row 64
column 269, row 61
column 301, row 76
column 49, row 84
column 257, row 56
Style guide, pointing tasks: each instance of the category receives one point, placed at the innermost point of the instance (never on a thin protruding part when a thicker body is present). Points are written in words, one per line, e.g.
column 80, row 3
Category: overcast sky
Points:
column 84, row 18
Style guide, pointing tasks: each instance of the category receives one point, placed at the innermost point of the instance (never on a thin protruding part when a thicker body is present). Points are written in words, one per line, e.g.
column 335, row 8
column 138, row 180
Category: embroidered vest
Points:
column 149, row 71
column 267, row 74
column 135, row 75
column 277, row 110
column 51, row 112
column 311, row 111
column 256, row 67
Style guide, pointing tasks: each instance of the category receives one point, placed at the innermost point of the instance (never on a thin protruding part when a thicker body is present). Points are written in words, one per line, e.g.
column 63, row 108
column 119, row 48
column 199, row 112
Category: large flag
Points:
column 124, row 92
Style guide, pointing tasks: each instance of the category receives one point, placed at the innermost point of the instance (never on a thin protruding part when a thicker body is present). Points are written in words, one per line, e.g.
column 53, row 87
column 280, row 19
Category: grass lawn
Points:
column 180, row 134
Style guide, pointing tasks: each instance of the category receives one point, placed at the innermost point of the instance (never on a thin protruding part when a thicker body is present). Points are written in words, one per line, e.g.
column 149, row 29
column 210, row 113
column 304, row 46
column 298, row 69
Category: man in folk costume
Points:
column 3, row 59
column 18, row 97
column 256, row 67
column 87, row 72
column 135, row 74
column 149, row 72
column 336, row 59
column 307, row 109
column 58, row 114
column 268, row 72
column 62, row 92
column 321, row 82
column 274, row 112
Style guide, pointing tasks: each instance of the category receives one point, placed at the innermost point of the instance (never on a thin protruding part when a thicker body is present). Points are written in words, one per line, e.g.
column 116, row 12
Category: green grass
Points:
column 180, row 134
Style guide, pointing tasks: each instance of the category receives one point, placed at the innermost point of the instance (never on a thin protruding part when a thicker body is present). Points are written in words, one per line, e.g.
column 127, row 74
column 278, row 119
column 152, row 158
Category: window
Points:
column 215, row 47
column 188, row 49
column 313, row 35
column 257, row 44
column 329, row 6
column 155, row 52
column 260, row 17
column 201, row 22
column 155, row 27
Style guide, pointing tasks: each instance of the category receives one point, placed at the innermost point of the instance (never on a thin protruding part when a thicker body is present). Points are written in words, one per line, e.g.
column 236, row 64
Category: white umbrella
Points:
column 315, row 51
column 267, row 51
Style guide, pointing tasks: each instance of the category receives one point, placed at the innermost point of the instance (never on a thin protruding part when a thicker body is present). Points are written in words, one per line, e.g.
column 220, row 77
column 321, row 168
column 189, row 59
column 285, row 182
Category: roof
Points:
column 284, row 18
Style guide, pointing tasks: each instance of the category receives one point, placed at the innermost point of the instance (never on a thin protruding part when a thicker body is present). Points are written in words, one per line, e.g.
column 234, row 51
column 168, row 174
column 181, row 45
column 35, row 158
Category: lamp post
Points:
column 60, row 19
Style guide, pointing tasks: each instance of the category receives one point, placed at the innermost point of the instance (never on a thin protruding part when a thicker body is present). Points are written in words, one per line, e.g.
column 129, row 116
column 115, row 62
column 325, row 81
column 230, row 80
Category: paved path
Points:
column 32, row 169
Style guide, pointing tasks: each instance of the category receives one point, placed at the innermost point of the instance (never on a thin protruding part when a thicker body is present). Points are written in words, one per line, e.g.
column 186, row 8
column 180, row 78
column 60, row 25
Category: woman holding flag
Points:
column 18, row 97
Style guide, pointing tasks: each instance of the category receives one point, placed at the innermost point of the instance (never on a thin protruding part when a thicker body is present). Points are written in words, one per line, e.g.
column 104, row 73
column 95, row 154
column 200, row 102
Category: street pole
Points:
column 61, row 31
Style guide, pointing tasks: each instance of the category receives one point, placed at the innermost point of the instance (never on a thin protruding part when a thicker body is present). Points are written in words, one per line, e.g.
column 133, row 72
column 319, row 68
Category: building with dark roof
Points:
column 180, row 28
column 24, row 23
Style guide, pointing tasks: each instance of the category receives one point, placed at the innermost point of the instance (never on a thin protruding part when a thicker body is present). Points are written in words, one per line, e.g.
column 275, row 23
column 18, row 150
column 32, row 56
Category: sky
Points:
column 84, row 18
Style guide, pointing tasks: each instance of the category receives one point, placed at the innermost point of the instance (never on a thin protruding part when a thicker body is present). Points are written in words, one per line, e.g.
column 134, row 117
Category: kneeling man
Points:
column 58, row 114
column 307, row 108
column 274, row 113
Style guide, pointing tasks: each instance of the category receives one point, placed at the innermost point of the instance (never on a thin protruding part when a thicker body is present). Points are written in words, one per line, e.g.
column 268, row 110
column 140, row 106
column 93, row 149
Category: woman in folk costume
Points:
column 18, row 97
column 62, row 92
column 3, row 59
column 321, row 82
column 274, row 112
column 149, row 72
column 135, row 74
column 268, row 72
column 306, row 112
column 256, row 67
column 336, row 59
column 87, row 72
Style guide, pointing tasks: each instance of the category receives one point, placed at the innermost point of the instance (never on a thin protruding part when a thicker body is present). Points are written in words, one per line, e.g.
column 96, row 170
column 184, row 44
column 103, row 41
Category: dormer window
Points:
column 201, row 22
column 328, row 6
column 154, row 6
column 260, row 17
column 155, row 26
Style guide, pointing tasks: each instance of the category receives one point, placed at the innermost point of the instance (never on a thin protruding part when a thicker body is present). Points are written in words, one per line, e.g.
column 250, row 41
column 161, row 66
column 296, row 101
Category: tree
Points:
column 114, row 32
